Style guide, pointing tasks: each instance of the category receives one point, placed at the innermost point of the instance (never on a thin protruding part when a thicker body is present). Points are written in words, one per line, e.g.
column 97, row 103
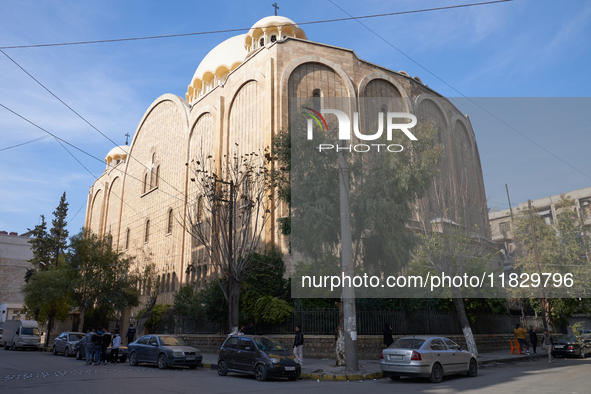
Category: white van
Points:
column 21, row 334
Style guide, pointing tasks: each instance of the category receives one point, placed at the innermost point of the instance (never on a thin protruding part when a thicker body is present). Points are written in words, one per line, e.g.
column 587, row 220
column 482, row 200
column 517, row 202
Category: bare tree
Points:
column 452, row 244
column 227, row 218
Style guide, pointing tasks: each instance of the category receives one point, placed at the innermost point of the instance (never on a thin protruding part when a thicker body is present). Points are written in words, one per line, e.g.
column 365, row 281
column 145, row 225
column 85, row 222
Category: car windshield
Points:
column 564, row 338
column 172, row 341
column 76, row 337
column 407, row 343
column 267, row 344
column 29, row 331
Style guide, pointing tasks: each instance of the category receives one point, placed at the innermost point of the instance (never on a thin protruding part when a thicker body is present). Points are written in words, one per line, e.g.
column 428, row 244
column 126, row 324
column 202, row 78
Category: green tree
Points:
column 148, row 278
column 101, row 276
column 48, row 249
column 562, row 248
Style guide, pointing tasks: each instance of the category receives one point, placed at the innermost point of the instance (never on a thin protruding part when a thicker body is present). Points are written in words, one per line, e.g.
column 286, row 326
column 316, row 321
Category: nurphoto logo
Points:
column 392, row 119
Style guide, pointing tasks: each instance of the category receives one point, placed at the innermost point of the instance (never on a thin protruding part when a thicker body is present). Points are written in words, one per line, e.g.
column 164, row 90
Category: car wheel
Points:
column 473, row 368
column 162, row 361
column 67, row 352
column 260, row 373
column 78, row 354
column 394, row 377
column 222, row 368
column 133, row 359
column 436, row 374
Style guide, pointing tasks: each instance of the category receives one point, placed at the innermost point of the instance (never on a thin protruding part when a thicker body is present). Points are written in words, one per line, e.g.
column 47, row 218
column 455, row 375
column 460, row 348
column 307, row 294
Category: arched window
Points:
column 273, row 38
column 316, row 99
column 157, row 176
column 170, row 217
column 167, row 283
column 145, row 182
column 173, row 283
column 147, row 237
column 199, row 209
column 262, row 42
column 127, row 239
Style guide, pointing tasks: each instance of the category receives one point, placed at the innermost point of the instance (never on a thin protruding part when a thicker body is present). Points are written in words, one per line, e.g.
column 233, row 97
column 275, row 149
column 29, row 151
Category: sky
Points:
column 520, row 70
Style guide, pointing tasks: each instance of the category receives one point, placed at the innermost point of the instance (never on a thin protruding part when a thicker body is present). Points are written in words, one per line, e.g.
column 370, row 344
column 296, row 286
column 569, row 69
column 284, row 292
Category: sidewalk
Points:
column 325, row 369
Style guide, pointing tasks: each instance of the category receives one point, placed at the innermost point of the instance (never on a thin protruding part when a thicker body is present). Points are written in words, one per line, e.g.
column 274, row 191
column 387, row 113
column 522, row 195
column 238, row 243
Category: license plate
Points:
column 290, row 368
column 395, row 357
column 558, row 347
column 190, row 358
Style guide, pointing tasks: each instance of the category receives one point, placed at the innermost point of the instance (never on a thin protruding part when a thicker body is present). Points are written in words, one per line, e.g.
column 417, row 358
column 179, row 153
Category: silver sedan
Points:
column 64, row 343
column 426, row 357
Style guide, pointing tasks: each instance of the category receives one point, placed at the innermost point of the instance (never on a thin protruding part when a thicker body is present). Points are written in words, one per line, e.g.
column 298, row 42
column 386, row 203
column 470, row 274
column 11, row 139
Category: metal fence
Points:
column 324, row 321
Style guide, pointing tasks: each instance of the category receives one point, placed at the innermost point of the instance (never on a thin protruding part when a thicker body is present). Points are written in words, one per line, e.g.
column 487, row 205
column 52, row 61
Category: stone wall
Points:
column 322, row 346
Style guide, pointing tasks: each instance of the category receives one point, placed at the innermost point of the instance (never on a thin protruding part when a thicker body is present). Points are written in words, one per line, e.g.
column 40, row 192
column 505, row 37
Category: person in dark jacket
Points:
column 533, row 338
column 249, row 329
column 130, row 334
column 105, row 344
column 388, row 339
column 97, row 344
column 298, row 345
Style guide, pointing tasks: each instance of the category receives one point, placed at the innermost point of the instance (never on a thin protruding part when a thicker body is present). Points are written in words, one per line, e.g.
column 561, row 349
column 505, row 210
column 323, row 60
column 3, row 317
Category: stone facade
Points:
column 143, row 201
column 15, row 253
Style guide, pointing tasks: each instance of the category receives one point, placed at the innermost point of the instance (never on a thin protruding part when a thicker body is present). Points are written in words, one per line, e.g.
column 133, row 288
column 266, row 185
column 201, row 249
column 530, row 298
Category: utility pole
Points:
column 509, row 199
column 533, row 234
column 347, row 267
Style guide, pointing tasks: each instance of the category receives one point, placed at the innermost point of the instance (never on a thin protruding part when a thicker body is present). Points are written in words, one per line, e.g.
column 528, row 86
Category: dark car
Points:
column 259, row 356
column 65, row 342
column 80, row 352
column 568, row 345
column 165, row 350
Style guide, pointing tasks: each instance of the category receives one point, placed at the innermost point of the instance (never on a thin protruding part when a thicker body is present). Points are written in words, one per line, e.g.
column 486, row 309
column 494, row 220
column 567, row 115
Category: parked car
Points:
column 164, row 350
column 21, row 334
column 426, row 357
column 80, row 352
column 569, row 345
column 64, row 343
column 259, row 356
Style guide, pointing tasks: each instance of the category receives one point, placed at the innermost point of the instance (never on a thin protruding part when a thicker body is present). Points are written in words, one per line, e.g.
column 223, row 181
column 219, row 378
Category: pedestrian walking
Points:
column 130, row 334
column 388, row 339
column 298, row 345
column 88, row 346
column 548, row 345
column 97, row 345
column 105, row 344
column 115, row 347
column 533, row 337
column 519, row 333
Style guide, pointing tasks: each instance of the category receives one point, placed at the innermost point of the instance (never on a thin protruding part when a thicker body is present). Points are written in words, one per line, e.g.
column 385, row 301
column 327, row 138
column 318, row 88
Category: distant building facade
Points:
column 501, row 226
column 15, row 253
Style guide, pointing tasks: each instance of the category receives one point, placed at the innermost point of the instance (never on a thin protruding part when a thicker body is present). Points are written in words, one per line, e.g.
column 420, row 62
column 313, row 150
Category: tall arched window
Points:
column 199, row 209
column 170, row 217
column 157, row 176
column 316, row 99
column 145, row 182
column 147, row 237
column 262, row 42
column 127, row 239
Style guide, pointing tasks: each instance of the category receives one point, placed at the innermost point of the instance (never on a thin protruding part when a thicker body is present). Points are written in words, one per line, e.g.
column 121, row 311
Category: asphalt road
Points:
column 35, row 372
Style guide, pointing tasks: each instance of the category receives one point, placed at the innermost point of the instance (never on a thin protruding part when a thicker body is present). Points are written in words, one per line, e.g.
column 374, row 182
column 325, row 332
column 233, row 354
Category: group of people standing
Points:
column 97, row 343
column 547, row 342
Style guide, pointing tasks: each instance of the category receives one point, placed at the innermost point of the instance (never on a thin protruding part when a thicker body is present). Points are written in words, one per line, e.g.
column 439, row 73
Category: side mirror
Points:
column 248, row 348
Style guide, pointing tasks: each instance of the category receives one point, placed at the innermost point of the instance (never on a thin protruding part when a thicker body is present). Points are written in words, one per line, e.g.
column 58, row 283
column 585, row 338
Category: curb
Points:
column 510, row 359
column 342, row 378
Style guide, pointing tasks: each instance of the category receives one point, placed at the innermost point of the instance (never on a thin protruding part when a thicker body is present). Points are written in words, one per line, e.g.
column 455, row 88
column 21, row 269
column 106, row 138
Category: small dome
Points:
column 118, row 152
column 270, row 29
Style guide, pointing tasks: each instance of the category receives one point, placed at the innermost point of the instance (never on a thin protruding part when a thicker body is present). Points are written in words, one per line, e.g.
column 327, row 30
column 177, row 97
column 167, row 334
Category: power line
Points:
column 25, row 143
column 463, row 95
column 248, row 28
